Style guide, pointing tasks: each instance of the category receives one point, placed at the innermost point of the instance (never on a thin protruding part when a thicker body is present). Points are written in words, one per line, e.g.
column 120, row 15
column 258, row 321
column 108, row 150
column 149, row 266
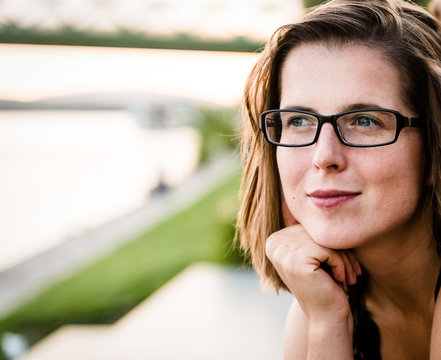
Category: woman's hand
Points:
column 301, row 263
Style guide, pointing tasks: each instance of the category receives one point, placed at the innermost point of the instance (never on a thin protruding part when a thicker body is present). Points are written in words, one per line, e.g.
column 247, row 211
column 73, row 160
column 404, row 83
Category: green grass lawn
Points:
column 106, row 290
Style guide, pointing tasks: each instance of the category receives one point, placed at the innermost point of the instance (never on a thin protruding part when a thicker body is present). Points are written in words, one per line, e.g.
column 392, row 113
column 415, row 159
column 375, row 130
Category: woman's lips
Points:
column 331, row 198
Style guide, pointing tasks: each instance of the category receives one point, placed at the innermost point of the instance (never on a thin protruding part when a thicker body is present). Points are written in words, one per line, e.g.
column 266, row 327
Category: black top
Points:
column 438, row 285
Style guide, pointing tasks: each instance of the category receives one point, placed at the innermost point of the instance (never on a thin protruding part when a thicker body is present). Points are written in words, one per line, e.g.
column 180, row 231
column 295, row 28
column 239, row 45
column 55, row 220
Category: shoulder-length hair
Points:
column 405, row 34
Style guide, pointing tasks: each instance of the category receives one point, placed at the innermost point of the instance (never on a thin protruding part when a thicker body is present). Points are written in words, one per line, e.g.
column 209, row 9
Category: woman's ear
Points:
column 288, row 219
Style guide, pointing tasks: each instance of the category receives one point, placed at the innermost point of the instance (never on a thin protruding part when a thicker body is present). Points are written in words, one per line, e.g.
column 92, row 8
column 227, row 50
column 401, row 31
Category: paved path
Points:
column 206, row 312
column 23, row 281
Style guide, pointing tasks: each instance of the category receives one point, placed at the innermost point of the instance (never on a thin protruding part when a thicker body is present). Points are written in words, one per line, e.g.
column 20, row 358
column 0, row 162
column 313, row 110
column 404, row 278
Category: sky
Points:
column 34, row 72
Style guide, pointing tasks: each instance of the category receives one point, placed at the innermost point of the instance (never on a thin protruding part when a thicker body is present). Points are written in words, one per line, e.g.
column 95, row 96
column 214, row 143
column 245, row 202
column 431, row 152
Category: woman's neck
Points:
column 408, row 285
column 403, row 268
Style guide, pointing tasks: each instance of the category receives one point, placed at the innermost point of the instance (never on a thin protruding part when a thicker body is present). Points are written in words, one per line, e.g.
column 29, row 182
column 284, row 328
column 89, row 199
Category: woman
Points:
column 342, row 188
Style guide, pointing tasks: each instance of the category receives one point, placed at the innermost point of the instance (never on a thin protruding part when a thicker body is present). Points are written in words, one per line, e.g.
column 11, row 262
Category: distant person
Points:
column 341, row 194
column 435, row 8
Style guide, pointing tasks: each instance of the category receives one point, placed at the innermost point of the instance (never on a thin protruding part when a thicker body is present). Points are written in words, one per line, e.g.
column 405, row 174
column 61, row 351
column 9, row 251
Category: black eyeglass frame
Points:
column 402, row 122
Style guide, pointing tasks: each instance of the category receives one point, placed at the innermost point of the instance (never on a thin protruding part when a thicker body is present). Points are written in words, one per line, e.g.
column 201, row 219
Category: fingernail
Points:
column 353, row 278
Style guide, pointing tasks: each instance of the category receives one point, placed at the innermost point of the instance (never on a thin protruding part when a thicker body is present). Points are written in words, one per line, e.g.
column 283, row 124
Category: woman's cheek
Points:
column 288, row 218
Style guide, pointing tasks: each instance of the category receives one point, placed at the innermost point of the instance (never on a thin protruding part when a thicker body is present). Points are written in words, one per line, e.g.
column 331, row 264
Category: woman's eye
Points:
column 298, row 122
column 365, row 121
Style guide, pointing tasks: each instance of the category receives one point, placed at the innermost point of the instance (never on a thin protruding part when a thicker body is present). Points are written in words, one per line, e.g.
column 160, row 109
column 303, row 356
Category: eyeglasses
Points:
column 357, row 128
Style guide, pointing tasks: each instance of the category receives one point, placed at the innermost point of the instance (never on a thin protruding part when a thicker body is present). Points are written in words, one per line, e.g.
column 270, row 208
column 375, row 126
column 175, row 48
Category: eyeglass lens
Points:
column 356, row 128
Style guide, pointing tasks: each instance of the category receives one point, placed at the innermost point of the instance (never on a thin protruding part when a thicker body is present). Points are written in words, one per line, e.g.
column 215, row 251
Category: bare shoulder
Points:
column 296, row 333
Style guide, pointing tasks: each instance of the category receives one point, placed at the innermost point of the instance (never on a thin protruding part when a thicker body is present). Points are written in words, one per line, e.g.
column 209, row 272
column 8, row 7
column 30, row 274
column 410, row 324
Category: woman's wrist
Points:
column 330, row 340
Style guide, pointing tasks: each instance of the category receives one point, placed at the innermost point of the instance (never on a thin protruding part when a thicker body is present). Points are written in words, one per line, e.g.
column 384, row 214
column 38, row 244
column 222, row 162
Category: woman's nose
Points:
column 329, row 152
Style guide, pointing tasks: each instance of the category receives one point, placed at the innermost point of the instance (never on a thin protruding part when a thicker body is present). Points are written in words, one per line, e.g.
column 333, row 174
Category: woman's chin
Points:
column 333, row 240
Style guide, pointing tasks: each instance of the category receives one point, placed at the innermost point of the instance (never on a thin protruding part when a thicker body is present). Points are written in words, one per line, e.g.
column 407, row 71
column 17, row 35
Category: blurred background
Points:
column 118, row 150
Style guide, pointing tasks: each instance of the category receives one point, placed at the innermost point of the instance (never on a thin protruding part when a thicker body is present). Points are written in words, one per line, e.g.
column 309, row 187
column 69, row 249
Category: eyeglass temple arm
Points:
column 412, row 122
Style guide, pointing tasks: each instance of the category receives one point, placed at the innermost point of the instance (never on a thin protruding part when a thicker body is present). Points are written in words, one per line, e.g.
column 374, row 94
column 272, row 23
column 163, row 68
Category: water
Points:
column 64, row 172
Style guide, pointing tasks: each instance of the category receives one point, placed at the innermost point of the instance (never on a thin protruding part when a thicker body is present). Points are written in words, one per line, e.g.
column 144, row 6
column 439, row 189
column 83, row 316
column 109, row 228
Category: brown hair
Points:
column 407, row 35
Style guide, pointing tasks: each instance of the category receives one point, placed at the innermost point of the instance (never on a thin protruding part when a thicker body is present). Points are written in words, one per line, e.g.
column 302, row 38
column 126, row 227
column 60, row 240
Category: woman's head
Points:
column 348, row 196
column 403, row 35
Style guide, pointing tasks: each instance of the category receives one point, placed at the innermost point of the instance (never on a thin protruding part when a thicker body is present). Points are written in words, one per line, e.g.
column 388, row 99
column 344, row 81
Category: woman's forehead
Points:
column 316, row 75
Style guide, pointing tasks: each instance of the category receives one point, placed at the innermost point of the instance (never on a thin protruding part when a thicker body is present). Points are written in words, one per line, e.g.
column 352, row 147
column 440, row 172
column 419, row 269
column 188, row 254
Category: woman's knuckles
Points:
column 297, row 259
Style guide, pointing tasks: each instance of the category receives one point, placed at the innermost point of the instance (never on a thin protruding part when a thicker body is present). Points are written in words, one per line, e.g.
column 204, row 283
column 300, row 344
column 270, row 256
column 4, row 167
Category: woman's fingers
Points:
column 292, row 252
column 355, row 264
column 312, row 273
column 351, row 277
column 292, row 246
column 341, row 272
column 353, row 268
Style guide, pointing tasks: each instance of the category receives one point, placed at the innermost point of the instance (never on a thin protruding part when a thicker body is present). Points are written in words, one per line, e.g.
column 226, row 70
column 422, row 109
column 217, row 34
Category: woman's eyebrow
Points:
column 359, row 106
column 356, row 106
column 298, row 107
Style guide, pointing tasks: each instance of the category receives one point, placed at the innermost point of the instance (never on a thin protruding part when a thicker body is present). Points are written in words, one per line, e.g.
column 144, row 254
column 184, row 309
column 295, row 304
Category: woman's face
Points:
column 345, row 196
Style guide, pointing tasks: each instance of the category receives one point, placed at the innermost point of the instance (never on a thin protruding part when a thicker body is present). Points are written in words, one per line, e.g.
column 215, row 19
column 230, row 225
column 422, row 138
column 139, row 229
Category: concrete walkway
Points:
column 206, row 312
column 20, row 283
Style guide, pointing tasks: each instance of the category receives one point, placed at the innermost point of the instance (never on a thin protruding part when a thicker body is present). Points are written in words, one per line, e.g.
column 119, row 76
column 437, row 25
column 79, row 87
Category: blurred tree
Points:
column 310, row 3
